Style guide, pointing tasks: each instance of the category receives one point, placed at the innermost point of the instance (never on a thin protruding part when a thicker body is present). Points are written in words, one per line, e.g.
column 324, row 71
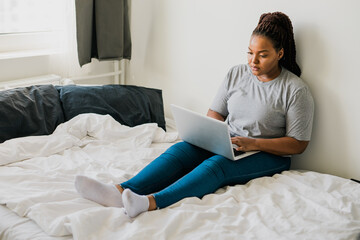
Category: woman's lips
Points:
column 255, row 69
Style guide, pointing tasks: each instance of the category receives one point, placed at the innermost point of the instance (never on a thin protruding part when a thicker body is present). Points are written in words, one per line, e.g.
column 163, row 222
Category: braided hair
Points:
column 278, row 28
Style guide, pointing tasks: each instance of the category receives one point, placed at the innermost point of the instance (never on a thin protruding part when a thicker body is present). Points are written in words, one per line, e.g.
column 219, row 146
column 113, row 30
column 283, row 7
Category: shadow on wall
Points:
column 328, row 146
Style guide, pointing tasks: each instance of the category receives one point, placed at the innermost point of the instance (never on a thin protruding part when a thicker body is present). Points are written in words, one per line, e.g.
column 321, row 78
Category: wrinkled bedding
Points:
column 37, row 182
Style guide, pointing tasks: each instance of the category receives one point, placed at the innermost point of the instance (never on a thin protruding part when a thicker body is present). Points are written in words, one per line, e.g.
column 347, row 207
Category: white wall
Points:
column 186, row 48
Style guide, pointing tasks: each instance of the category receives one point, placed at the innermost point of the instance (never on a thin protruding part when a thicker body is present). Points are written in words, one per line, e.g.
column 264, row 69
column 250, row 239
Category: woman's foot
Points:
column 135, row 204
column 105, row 194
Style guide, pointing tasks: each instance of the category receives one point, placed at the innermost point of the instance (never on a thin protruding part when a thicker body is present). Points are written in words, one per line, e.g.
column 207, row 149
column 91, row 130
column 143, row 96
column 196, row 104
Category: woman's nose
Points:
column 255, row 59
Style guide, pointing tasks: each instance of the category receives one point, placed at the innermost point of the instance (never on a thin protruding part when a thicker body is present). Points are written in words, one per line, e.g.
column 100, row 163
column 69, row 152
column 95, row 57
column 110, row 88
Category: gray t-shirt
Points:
column 278, row 108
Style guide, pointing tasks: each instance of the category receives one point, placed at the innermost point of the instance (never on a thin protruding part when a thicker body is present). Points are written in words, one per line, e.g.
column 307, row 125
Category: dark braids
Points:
column 278, row 28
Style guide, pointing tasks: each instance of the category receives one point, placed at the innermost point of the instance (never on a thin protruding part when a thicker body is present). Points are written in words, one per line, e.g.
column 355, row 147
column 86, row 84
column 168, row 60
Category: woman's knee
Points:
column 217, row 165
column 187, row 155
column 218, row 160
column 187, row 150
column 180, row 146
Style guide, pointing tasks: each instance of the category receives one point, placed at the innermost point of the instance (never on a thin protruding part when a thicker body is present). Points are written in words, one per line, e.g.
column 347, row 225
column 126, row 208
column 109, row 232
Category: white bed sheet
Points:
column 37, row 183
column 21, row 228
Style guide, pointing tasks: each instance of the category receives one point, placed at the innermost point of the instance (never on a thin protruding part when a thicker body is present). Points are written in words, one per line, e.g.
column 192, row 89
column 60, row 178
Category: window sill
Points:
column 29, row 53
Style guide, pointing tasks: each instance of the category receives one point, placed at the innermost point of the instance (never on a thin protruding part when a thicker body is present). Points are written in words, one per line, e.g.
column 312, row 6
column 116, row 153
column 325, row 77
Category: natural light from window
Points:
column 23, row 16
column 32, row 27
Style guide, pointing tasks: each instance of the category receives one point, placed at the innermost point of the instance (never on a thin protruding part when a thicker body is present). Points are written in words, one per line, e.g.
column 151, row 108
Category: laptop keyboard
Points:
column 237, row 153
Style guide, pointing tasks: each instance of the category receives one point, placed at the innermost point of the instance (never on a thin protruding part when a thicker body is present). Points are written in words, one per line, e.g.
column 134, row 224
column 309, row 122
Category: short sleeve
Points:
column 219, row 103
column 300, row 114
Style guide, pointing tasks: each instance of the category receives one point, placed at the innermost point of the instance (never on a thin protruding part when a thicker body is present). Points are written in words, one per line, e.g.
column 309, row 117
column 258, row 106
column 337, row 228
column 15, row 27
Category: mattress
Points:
column 38, row 199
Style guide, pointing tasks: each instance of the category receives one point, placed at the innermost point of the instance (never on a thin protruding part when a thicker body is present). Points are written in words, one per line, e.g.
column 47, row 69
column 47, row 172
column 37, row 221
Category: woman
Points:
column 267, row 107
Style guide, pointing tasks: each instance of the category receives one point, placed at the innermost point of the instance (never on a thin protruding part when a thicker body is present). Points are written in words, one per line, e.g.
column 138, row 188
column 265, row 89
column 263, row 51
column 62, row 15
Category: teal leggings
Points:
column 185, row 170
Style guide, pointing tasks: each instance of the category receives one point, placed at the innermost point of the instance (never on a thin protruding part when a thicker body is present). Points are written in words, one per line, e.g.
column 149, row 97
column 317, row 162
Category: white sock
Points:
column 102, row 193
column 134, row 204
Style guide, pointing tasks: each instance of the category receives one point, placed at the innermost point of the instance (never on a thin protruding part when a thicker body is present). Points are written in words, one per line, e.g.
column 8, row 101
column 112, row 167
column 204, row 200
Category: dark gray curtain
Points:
column 103, row 30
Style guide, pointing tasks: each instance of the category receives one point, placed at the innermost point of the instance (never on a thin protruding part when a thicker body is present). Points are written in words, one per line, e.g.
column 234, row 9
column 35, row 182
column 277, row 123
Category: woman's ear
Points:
column 280, row 54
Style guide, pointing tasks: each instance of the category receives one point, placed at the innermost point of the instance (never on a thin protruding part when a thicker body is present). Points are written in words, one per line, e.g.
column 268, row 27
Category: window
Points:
column 31, row 27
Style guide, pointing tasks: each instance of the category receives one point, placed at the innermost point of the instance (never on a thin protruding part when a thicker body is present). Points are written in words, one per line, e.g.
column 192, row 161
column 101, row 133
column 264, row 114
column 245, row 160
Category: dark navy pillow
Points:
column 29, row 111
column 129, row 105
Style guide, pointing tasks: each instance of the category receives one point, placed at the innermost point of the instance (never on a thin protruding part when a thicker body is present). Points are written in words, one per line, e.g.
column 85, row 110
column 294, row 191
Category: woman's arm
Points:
column 215, row 115
column 277, row 146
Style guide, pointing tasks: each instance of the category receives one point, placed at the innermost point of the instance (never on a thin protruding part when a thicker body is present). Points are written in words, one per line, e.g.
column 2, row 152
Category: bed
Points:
column 110, row 135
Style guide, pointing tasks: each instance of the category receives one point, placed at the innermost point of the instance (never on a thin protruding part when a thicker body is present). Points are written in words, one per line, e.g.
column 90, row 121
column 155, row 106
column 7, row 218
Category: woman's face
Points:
column 263, row 58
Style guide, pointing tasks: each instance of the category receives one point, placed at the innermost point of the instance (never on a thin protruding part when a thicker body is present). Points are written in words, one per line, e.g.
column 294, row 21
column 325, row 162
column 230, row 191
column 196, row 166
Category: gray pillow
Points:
column 29, row 111
column 129, row 105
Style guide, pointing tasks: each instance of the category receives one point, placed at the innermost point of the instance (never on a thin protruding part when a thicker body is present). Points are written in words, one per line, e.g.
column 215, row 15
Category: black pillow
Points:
column 29, row 111
column 129, row 105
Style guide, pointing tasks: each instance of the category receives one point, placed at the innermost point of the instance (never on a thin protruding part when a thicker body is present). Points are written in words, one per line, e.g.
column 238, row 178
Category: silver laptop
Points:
column 206, row 132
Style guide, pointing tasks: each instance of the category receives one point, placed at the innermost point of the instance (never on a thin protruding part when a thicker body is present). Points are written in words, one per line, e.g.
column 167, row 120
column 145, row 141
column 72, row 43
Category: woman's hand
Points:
column 244, row 144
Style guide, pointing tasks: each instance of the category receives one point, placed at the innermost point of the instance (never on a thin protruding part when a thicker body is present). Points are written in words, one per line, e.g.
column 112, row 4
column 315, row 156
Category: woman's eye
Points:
column 263, row 56
column 250, row 53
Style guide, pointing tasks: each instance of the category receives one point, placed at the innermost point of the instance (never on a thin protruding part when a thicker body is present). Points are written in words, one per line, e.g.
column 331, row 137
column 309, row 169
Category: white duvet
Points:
column 37, row 181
